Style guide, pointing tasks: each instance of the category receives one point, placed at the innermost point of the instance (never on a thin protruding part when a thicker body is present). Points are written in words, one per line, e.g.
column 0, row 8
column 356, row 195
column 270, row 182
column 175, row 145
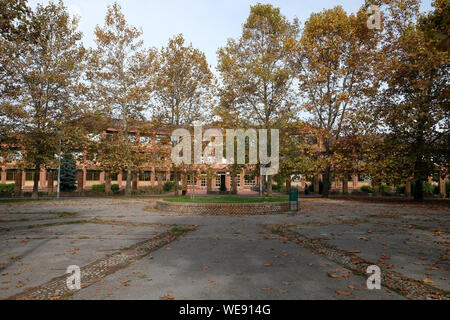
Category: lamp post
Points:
column 59, row 166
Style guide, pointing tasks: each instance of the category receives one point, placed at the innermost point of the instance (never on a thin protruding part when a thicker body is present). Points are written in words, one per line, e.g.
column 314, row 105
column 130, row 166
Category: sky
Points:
column 207, row 24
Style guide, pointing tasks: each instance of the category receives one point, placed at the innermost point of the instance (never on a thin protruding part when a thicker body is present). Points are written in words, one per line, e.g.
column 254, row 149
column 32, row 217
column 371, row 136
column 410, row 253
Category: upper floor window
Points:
column 145, row 140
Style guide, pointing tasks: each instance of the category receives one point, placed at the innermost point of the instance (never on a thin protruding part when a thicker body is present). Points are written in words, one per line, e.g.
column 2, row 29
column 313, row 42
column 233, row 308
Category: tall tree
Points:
column 256, row 79
column 39, row 92
column 415, row 98
column 333, row 62
column 120, row 73
column 183, row 88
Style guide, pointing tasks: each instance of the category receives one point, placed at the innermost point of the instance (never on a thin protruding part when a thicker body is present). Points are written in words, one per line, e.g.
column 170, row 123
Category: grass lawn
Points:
column 227, row 199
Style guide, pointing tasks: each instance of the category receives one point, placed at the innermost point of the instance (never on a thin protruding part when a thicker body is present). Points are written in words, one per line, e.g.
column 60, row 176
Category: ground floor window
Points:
column 218, row 180
column 145, row 176
column 113, row 176
column 29, row 175
column 92, row 175
column 249, row 180
column 238, row 177
column 191, row 180
column 11, row 174
column 54, row 173
column 203, row 182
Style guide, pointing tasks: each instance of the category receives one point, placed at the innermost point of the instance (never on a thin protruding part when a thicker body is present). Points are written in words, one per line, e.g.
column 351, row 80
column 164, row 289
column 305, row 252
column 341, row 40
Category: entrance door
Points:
column 223, row 187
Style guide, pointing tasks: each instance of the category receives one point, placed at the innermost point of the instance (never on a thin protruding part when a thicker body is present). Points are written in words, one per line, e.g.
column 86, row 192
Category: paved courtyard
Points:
column 126, row 250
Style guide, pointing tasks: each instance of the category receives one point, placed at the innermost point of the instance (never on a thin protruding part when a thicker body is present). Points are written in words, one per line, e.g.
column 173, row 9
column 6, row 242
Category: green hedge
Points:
column 367, row 189
column 169, row 186
column 101, row 187
column 7, row 188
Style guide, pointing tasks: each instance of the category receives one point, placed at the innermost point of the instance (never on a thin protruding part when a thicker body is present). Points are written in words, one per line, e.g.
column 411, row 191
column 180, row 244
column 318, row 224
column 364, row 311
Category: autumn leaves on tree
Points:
column 376, row 101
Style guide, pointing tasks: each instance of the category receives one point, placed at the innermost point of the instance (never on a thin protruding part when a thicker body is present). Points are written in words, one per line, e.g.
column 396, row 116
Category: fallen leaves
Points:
column 343, row 292
column 268, row 265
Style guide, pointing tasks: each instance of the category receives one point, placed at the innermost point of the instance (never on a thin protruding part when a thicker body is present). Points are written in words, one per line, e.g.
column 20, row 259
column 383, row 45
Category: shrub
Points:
column 115, row 187
column 68, row 173
column 367, row 189
column 99, row 187
column 7, row 188
column 447, row 188
column 387, row 189
column 168, row 186
column 428, row 188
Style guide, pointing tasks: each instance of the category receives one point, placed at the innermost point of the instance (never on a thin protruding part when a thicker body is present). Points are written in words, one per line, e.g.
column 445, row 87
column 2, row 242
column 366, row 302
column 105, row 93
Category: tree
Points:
column 120, row 74
column 256, row 79
column 415, row 104
column 333, row 62
column 41, row 84
column 183, row 88
column 14, row 18
column 68, row 173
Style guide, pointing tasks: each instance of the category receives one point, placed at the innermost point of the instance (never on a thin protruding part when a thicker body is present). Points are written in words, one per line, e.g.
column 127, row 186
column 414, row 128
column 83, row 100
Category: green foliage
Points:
column 367, row 189
column 115, row 187
column 7, row 188
column 98, row 187
column 68, row 173
column 428, row 188
column 168, row 186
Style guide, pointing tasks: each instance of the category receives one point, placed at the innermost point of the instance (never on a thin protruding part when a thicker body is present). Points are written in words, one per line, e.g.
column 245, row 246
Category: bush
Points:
column 168, row 186
column 98, row 187
column 367, row 189
column 447, row 188
column 7, row 188
column 115, row 187
column 428, row 188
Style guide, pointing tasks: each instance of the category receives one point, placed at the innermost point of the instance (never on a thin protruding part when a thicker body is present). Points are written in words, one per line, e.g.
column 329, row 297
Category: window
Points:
column 363, row 178
column 92, row 175
column 162, row 138
column 124, row 175
column 191, row 181
column 94, row 137
column 145, row 176
column 311, row 139
column 29, row 175
column 238, row 180
column 249, row 180
column 113, row 176
column 54, row 172
column 203, row 182
column 145, row 140
column 218, row 180
column 296, row 138
column 11, row 175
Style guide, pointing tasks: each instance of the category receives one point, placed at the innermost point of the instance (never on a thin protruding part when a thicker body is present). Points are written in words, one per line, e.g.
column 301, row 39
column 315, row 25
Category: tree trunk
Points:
column 18, row 184
column 345, row 186
column 134, row 182
column 408, row 188
column 37, row 172
column 208, row 185
column 316, row 184
column 107, row 183
column 234, row 185
column 288, row 184
column 128, row 184
column 442, row 186
column 175, row 180
column 269, row 186
column 326, row 183
column 184, row 182
column 50, row 183
column 80, row 177
column 418, row 190
column 159, row 179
